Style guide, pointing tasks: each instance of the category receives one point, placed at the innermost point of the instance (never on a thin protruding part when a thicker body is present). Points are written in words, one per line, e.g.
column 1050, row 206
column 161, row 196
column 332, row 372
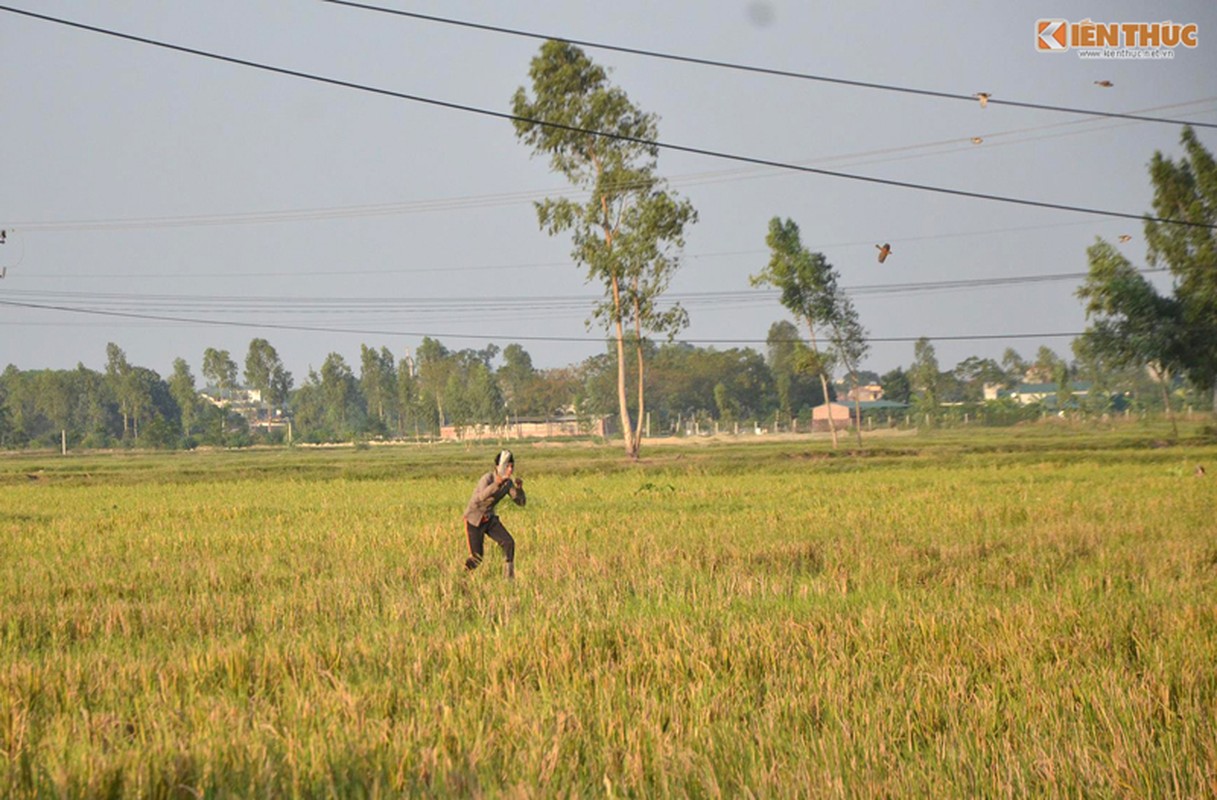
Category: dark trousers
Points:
column 476, row 536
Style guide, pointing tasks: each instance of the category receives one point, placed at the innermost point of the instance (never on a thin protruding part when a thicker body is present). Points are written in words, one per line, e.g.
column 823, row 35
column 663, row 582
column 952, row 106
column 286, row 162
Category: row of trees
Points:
column 407, row 397
column 134, row 404
column 388, row 397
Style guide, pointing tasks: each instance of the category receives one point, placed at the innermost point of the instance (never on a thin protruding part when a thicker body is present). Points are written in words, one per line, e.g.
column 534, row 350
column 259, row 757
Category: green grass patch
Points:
column 1020, row 613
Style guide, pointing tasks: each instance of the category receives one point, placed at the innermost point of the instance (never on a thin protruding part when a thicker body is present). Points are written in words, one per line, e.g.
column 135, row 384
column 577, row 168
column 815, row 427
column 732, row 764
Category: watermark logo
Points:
column 1052, row 35
column 1115, row 39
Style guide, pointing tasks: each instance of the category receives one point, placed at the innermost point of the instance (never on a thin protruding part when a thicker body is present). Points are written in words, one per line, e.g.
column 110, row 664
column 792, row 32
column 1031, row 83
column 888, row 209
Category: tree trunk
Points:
column 832, row 425
column 857, row 408
column 627, row 430
column 1164, row 380
column 641, row 374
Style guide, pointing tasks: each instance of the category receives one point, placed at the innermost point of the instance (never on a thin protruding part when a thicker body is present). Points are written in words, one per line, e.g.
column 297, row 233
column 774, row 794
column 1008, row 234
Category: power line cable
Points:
column 762, row 70
column 493, row 337
column 608, row 135
column 246, row 303
column 211, row 275
column 874, row 156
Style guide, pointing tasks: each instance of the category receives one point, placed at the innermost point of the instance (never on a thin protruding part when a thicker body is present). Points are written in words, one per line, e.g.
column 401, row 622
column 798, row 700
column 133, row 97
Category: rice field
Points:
column 997, row 614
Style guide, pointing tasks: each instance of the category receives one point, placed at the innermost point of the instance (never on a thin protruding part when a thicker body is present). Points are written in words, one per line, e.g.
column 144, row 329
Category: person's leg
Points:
column 498, row 533
column 474, row 536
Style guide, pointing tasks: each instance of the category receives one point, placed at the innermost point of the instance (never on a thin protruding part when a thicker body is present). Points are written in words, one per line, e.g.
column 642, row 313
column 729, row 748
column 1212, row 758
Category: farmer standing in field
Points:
column 480, row 519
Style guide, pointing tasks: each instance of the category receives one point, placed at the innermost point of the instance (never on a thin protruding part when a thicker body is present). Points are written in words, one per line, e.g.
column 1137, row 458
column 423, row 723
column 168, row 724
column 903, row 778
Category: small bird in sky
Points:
column 977, row 140
column 3, row 236
column 1124, row 237
column 983, row 97
column 1104, row 83
column 885, row 250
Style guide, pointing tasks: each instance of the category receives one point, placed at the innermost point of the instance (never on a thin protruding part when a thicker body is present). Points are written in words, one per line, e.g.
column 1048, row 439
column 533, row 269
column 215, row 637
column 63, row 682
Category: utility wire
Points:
column 513, row 337
column 531, row 265
column 874, row 156
column 762, row 70
column 465, row 202
column 255, row 303
column 604, row 134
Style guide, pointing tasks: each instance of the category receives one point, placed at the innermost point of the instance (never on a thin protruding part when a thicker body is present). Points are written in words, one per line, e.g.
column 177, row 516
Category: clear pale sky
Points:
column 142, row 181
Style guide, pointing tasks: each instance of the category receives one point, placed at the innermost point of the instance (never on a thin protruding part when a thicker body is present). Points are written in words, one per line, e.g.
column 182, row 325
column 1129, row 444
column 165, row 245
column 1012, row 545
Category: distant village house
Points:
column 556, row 427
column 1027, row 393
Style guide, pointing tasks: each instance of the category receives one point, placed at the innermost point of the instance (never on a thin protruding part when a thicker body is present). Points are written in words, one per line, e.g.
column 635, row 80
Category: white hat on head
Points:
column 502, row 460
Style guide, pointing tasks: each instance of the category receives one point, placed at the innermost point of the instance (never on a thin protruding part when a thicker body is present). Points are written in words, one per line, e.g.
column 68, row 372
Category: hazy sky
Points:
column 142, row 181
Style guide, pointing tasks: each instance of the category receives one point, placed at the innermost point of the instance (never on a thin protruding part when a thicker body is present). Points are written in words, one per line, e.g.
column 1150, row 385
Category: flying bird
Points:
column 1124, row 237
column 977, row 140
column 1105, row 84
column 885, row 250
column 3, row 236
column 983, row 97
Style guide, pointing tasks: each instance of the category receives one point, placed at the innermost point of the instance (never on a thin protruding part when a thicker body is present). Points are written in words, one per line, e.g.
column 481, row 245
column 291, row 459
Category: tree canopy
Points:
column 1186, row 189
column 628, row 231
column 807, row 285
column 1131, row 322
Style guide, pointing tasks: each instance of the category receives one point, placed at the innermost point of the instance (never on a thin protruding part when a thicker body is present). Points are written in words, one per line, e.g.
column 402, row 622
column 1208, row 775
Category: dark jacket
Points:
column 486, row 496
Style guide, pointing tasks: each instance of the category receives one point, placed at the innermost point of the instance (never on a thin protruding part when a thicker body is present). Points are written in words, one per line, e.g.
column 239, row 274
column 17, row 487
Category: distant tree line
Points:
column 1085, row 386
column 410, row 397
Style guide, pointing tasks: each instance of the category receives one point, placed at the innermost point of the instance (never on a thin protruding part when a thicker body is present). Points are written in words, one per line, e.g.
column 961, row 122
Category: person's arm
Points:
column 487, row 488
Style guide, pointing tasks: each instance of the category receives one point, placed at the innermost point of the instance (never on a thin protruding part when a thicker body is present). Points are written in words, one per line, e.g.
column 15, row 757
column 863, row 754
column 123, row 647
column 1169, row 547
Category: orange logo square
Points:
column 1051, row 35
